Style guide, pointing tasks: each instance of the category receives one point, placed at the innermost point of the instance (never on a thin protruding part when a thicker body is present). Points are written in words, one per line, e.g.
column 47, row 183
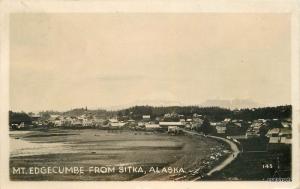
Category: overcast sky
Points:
column 63, row 61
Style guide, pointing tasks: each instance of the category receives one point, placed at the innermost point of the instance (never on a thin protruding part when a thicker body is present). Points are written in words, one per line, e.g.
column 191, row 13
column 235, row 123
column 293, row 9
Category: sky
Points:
column 105, row 60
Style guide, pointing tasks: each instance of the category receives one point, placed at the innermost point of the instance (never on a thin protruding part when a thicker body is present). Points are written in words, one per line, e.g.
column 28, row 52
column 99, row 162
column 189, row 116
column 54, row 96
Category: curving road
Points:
column 227, row 161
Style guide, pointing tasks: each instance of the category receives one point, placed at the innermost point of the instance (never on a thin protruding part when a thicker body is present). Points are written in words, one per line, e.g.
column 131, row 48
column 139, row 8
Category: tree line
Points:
column 136, row 113
column 212, row 113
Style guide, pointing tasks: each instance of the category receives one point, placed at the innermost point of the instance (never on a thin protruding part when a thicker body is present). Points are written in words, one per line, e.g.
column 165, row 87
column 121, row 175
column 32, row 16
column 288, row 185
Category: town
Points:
column 276, row 129
column 262, row 136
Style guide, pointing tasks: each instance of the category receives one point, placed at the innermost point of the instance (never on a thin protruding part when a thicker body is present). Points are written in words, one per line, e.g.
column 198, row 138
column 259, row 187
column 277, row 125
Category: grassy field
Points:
column 103, row 148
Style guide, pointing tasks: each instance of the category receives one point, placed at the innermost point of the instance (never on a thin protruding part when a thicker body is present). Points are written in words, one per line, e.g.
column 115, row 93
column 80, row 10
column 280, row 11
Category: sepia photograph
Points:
column 150, row 97
column 149, row 94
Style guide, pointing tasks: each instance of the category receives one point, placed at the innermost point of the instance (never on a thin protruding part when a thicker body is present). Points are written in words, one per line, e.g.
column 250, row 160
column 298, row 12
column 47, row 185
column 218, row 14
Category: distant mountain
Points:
column 232, row 104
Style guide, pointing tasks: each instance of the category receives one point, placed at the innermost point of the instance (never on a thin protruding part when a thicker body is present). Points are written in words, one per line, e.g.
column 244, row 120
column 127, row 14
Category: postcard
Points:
column 181, row 97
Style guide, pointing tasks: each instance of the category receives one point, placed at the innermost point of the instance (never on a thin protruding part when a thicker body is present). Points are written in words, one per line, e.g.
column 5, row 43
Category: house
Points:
column 150, row 126
column 54, row 117
column 195, row 115
column 273, row 132
column 173, row 129
column 58, row 123
column 221, row 128
column 197, row 124
column 115, row 125
column 189, row 120
column 182, row 120
column 87, row 123
column 188, row 126
column 251, row 134
column 286, row 124
column 35, row 117
column 254, row 129
column 198, row 120
column 171, row 117
column 113, row 120
column 171, row 123
column 131, row 121
column 166, row 124
column 264, row 120
column 285, row 136
column 76, row 122
column 146, row 118
column 285, row 132
column 227, row 120
column 280, row 135
column 238, row 125
column 279, row 138
column 181, row 116
column 98, row 122
column 67, row 121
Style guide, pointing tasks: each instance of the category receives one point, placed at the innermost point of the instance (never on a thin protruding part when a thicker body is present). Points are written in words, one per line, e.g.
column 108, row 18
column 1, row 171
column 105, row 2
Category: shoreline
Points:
column 98, row 148
column 217, row 165
column 234, row 154
column 226, row 161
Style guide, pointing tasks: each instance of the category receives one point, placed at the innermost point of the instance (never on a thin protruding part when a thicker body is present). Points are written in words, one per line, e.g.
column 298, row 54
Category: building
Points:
column 254, row 129
column 196, row 124
column 250, row 133
column 146, row 118
column 285, row 135
column 58, row 123
column 35, row 117
column 112, row 120
column 173, row 129
column 141, row 124
column 87, row 123
column 166, row 124
column 151, row 127
column 171, row 123
column 182, row 120
column 221, row 128
column 189, row 120
column 227, row 120
column 53, row 117
column 280, row 136
column 116, row 125
column 279, row 139
column 286, row 124
column 188, row 126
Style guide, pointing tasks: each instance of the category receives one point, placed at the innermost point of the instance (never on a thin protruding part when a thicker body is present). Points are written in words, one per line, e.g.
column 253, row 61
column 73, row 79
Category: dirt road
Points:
column 227, row 161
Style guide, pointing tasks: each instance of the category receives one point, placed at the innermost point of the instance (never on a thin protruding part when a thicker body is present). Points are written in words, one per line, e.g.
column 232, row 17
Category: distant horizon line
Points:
column 156, row 106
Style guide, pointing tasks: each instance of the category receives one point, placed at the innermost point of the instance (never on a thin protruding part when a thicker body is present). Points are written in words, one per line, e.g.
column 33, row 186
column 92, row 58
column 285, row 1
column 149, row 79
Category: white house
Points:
column 146, row 118
column 171, row 123
column 280, row 135
column 150, row 126
column 173, row 129
column 221, row 128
